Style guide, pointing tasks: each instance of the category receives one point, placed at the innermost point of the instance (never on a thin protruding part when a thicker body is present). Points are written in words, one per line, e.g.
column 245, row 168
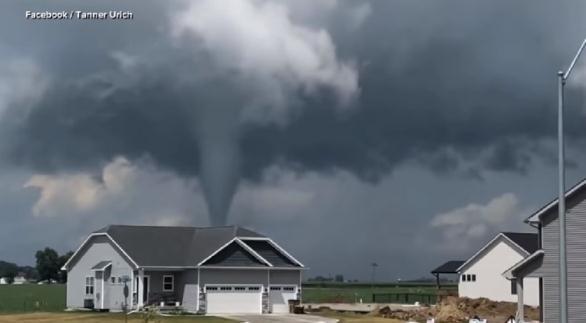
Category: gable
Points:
column 489, row 247
column 234, row 255
column 575, row 195
column 270, row 253
column 105, row 248
column 499, row 257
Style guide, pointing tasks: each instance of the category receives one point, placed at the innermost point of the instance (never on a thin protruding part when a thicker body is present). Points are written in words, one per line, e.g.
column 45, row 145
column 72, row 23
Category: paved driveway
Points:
column 280, row 318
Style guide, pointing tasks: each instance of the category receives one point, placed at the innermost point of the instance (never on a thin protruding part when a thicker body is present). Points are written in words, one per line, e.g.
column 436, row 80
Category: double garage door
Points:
column 239, row 299
column 234, row 299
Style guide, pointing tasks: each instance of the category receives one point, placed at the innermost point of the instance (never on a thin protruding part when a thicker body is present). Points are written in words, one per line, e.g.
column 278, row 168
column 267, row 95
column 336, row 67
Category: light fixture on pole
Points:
column 562, row 78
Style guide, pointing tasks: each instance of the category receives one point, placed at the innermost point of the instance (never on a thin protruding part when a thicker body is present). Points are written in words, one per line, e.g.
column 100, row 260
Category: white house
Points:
column 3, row 281
column 19, row 280
column 481, row 275
column 205, row 270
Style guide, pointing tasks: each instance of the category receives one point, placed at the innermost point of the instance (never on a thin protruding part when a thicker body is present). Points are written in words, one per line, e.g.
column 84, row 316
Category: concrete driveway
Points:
column 280, row 318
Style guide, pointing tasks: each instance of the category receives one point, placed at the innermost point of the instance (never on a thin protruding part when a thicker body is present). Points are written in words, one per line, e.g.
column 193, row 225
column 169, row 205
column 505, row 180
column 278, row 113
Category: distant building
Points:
column 3, row 281
column 543, row 264
column 481, row 275
column 19, row 280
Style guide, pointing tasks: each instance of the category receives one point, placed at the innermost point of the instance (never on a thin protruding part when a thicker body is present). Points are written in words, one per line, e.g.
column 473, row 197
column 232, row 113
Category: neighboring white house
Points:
column 481, row 275
column 19, row 280
column 3, row 281
column 205, row 270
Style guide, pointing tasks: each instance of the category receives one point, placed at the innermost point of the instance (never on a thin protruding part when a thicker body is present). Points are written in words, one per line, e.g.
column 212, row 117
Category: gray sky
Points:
column 402, row 132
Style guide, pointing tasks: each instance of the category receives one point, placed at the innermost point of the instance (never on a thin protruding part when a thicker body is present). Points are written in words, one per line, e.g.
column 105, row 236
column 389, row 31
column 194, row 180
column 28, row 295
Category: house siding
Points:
column 97, row 249
column 233, row 276
column 285, row 277
column 490, row 283
column 576, row 261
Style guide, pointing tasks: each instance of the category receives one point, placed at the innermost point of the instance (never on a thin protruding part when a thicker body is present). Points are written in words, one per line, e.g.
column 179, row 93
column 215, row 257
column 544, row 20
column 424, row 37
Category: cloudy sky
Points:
column 403, row 132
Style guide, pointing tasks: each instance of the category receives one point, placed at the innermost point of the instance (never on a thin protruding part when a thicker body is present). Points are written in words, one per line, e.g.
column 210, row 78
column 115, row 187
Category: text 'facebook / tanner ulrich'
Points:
column 78, row 14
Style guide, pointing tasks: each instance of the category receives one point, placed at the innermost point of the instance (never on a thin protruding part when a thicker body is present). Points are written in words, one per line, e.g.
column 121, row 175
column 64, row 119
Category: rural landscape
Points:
column 293, row 161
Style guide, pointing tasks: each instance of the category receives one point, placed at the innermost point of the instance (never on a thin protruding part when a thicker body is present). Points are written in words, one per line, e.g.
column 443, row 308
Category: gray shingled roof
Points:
column 528, row 241
column 172, row 246
column 450, row 267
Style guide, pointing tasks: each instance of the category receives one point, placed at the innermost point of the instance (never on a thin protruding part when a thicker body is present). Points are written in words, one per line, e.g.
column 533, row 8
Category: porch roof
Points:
column 513, row 272
column 102, row 265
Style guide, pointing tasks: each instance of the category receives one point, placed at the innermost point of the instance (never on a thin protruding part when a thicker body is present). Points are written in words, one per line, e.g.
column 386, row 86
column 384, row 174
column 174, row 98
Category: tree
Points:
column 8, row 270
column 62, row 260
column 48, row 264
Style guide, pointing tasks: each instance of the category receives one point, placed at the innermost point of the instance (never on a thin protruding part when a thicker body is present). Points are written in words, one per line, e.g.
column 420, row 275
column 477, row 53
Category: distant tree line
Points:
column 337, row 278
column 48, row 267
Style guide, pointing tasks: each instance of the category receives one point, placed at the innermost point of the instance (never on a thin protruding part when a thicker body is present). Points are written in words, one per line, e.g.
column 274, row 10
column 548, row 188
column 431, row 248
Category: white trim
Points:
column 124, row 252
column 489, row 244
column 253, row 253
column 76, row 252
column 536, row 217
column 215, row 252
column 285, row 252
column 508, row 274
column 103, row 283
column 93, row 285
column 198, row 289
column 172, row 283
column 95, row 234
column 274, row 244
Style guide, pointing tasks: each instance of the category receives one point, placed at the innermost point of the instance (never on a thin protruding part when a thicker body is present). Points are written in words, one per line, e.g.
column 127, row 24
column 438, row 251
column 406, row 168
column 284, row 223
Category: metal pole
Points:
column 562, row 202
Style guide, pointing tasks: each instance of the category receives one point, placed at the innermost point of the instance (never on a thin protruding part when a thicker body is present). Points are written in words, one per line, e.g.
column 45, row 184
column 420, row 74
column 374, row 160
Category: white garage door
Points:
column 279, row 297
column 233, row 299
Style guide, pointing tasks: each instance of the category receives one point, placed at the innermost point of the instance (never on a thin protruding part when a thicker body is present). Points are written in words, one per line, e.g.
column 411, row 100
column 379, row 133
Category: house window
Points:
column 469, row 277
column 289, row 289
column 168, row 283
column 473, row 277
column 463, row 278
column 513, row 287
column 89, row 286
column 113, row 280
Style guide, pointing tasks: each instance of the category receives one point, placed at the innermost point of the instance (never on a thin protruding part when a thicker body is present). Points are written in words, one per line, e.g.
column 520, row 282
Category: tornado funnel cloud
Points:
column 219, row 159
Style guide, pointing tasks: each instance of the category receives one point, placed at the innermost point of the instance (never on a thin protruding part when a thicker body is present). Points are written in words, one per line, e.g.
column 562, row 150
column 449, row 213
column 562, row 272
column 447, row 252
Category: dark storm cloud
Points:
column 440, row 84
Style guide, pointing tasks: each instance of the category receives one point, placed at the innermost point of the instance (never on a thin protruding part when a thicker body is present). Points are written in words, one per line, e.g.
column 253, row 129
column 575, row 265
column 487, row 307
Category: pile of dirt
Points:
column 455, row 310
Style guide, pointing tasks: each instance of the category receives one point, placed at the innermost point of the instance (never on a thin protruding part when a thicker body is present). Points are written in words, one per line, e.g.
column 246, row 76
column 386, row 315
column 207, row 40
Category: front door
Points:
column 145, row 290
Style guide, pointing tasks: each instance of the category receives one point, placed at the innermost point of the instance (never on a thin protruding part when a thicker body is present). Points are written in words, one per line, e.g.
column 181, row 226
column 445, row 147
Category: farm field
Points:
column 30, row 298
column 103, row 318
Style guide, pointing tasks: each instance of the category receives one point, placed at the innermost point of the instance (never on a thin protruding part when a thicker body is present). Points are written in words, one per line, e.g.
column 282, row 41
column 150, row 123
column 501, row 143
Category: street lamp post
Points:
column 562, row 78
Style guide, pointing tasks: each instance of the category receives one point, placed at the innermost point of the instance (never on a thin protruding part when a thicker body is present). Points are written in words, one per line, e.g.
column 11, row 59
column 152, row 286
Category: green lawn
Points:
column 30, row 297
column 104, row 318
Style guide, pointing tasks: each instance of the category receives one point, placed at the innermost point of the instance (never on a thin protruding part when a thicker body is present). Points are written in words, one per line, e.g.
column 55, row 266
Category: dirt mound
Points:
column 455, row 310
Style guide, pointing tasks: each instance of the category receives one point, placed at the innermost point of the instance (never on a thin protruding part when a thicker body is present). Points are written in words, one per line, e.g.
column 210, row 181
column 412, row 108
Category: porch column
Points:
column 140, row 290
column 520, row 305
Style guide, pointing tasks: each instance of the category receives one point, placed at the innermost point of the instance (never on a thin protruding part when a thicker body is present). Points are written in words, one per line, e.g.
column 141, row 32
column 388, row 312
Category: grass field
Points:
column 350, row 294
column 29, row 298
column 103, row 318
column 51, row 298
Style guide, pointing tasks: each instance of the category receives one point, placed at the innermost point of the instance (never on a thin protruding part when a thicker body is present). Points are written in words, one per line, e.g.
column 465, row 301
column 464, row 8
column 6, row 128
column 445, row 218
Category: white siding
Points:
column 490, row 283
column 98, row 248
